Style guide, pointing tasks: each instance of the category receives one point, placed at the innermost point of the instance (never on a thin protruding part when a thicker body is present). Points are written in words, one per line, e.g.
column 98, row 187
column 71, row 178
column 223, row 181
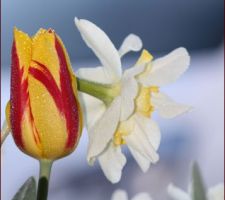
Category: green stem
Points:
column 4, row 132
column 45, row 170
column 104, row 92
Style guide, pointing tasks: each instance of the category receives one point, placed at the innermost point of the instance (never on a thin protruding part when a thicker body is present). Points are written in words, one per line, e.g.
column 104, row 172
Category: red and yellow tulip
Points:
column 45, row 114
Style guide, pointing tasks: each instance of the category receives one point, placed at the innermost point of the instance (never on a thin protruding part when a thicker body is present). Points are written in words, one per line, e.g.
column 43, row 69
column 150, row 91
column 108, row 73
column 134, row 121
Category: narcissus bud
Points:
column 45, row 114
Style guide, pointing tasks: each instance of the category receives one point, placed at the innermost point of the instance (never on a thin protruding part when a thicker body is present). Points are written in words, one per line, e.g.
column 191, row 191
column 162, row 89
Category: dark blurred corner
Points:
column 163, row 25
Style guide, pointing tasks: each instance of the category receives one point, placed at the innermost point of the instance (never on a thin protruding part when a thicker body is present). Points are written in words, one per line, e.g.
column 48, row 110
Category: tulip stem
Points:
column 4, row 132
column 104, row 92
column 45, row 170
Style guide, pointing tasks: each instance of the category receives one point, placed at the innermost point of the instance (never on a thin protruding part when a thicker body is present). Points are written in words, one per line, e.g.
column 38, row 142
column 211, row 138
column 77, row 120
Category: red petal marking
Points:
column 68, row 96
column 18, row 98
column 46, row 78
column 34, row 129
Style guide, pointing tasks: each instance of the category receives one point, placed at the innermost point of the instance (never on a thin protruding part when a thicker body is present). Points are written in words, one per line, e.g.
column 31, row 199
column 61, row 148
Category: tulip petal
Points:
column 216, row 192
column 7, row 114
column 43, row 52
column 96, row 74
column 68, row 85
column 144, row 138
column 20, row 114
column 177, row 194
column 167, row 69
column 98, row 41
column 93, row 108
column 112, row 162
column 103, row 131
column 166, row 106
column 142, row 196
column 52, row 92
column 131, row 43
column 22, row 50
column 119, row 195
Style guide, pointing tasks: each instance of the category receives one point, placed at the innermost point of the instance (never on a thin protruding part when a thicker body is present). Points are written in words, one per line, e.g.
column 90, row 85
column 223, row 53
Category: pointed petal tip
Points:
column 17, row 32
column 15, row 29
column 156, row 158
column 81, row 22
column 40, row 32
column 183, row 52
column 76, row 21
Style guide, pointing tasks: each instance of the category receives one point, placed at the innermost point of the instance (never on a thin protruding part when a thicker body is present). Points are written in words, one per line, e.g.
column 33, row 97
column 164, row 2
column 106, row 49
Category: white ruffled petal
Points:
column 142, row 161
column 167, row 69
column 112, row 162
column 142, row 196
column 131, row 43
column 177, row 194
column 93, row 109
column 102, row 46
column 102, row 132
column 134, row 71
column 166, row 107
column 153, row 136
column 151, row 130
column 139, row 139
column 96, row 74
column 129, row 90
column 216, row 192
column 128, row 93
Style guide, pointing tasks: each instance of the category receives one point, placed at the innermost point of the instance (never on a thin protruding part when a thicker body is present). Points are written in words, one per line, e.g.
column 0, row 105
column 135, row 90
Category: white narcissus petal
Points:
column 93, row 109
column 131, row 43
column 119, row 195
column 177, row 194
column 134, row 71
column 153, row 136
column 167, row 69
column 151, row 130
column 101, row 45
column 129, row 90
column 216, row 192
column 142, row 196
column 166, row 107
column 138, row 140
column 96, row 74
column 112, row 162
column 128, row 93
column 142, row 161
column 102, row 132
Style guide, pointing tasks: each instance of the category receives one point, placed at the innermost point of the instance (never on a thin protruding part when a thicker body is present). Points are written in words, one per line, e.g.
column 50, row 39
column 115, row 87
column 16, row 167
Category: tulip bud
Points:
column 45, row 114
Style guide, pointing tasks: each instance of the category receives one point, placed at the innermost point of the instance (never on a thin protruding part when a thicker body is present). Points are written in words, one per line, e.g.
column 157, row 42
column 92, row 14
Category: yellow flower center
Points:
column 123, row 130
column 143, row 106
column 143, row 100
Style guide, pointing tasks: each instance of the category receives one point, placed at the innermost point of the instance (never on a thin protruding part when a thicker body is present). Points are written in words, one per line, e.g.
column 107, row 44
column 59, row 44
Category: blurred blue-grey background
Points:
column 162, row 25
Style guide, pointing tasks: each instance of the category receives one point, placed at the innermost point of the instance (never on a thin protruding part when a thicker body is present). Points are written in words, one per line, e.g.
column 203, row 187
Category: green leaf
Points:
column 198, row 189
column 27, row 190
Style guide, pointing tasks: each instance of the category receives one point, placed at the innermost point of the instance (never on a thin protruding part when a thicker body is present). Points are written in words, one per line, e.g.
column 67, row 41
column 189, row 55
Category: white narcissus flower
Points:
column 122, row 195
column 214, row 193
column 126, row 119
